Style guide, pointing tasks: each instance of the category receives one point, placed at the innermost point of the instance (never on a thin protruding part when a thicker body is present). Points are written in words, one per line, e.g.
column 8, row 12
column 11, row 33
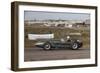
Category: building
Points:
column 58, row 23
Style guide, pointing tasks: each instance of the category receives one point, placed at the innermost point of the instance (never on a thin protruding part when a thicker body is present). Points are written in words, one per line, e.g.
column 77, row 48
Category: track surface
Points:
column 38, row 54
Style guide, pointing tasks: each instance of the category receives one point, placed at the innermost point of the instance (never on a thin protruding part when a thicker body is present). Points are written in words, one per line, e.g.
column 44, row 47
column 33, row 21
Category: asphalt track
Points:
column 38, row 54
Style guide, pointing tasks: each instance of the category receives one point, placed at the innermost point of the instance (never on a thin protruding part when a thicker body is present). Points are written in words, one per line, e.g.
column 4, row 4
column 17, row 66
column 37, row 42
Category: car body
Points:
column 59, row 43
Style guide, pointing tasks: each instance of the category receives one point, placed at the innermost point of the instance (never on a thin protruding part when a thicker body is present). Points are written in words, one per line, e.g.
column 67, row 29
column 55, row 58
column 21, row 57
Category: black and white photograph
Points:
column 56, row 35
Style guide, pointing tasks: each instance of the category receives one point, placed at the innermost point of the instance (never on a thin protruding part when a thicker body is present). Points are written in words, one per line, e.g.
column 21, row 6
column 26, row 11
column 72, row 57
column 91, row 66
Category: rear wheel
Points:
column 75, row 46
column 47, row 46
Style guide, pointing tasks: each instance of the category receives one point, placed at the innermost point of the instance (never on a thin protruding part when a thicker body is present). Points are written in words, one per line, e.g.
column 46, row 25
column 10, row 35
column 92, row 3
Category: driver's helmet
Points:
column 68, row 37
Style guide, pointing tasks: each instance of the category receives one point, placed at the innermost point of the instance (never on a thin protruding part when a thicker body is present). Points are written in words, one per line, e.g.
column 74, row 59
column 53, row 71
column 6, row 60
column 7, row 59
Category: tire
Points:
column 47, row 46
column 74, row 46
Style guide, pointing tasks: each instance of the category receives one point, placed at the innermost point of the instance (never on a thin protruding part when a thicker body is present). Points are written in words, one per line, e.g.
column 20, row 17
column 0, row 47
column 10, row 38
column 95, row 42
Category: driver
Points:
column 68, row 38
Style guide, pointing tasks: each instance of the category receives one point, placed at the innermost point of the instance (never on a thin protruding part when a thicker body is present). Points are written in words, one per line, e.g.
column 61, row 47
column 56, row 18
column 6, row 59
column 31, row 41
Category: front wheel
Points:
column 74, row 46
column 47, row 46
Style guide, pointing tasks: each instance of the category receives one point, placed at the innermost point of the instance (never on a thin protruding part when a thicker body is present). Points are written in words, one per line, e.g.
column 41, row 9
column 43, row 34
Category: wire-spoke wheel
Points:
column 47, row 46
column 75, row 46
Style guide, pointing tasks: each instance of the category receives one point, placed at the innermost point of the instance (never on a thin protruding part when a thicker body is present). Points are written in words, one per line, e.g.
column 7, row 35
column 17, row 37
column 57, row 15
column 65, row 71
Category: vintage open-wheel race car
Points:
column 69, row 42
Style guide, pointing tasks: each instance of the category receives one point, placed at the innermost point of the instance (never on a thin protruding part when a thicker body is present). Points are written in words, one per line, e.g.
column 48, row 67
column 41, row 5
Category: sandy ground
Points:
column 38, row 54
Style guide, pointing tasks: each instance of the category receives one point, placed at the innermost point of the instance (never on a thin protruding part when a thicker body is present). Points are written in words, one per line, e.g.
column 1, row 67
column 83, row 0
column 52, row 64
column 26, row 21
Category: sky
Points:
column 32, row 15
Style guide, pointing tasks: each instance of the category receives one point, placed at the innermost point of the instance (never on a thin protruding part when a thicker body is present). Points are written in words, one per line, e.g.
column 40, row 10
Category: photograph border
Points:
column 15, row 34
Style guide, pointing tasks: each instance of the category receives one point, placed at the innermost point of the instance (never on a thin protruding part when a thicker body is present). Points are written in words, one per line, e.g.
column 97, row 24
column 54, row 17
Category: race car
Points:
column 49, row 44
